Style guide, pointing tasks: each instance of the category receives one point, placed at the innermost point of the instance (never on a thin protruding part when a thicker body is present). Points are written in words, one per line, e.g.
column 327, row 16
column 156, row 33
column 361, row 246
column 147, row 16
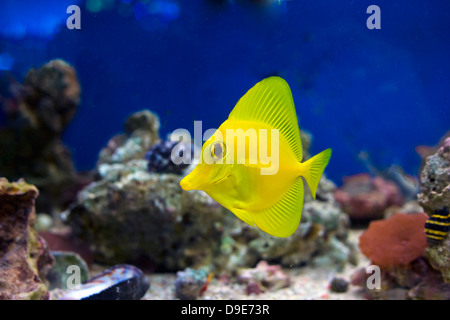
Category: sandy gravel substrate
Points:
column 307, row 283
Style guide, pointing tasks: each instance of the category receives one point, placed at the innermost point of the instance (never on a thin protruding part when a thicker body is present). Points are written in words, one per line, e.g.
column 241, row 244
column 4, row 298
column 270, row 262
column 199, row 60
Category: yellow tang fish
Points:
column 252, row 163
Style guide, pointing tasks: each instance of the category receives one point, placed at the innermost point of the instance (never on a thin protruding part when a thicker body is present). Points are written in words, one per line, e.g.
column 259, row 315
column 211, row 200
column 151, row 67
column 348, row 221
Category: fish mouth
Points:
column 187, row 183
column 192, row 183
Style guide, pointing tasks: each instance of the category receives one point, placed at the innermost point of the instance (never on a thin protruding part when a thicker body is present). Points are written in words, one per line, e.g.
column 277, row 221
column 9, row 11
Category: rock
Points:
column 364, row 198
column 120, row 282
column 131, row 213
column 434, row 198
column 425, row 151
column 338, row 285
column 62, row 239
column 439, row 257
column 141, row 133
column 31, row 144
column 43, row 222
column 417, row 280
column 253, row 287
column 24, row 256
column 435, row 180
column 61, row 272
column 190, row 283
column 395, row 241
column 263, row 277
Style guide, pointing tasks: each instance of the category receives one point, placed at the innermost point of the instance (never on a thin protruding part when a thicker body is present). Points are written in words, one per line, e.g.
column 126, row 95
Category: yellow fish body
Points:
column 252, row 164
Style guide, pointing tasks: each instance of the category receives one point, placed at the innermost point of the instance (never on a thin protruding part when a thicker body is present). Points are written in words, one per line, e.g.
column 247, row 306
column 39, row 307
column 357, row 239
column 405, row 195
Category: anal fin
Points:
column 282, row 219
column 243, row 215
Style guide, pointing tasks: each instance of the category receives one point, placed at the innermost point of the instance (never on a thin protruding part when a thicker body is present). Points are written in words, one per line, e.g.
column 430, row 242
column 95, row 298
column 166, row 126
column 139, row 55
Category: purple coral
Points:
column 160, row 157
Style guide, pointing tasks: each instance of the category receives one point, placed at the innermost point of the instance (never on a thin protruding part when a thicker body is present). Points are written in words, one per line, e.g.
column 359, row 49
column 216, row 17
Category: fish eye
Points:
column 218, row 150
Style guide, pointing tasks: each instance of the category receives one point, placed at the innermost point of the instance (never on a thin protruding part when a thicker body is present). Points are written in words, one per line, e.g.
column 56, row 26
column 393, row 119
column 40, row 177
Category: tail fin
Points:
column 314, row 168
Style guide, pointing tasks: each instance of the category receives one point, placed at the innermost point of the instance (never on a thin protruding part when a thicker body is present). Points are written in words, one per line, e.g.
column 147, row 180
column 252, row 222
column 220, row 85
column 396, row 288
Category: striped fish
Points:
column 437, row 226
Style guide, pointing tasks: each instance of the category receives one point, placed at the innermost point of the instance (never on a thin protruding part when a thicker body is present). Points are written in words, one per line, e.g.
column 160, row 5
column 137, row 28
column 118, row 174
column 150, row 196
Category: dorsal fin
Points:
column 270, row 101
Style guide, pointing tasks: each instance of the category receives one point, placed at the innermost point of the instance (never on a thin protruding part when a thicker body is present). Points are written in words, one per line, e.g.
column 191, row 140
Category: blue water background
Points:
column 380, row 91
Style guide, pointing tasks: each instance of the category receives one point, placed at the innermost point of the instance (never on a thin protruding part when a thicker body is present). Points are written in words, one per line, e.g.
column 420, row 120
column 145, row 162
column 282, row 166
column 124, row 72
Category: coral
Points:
column 395, row 241
column 263, row 277
column 24, row 257
column 190, row 283
column 141, row 132
column 366, row 198
column 159, row 157
column 31, row 144
column 435, row 180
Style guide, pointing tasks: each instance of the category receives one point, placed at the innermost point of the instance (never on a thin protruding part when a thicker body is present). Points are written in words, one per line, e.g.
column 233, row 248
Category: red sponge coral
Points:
column 395, row 241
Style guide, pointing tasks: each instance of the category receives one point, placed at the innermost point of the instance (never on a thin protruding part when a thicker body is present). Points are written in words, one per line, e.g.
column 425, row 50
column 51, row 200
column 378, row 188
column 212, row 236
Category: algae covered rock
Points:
column 131, row 213
column 24, row 256
column 58, row 275
column 31, row 144
column 435, row 180
column 190, row 283
column 141, row 131
column 434, row 197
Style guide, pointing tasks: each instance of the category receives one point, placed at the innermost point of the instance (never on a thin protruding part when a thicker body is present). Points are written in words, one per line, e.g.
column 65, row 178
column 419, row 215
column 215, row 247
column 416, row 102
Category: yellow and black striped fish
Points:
column 437, row 226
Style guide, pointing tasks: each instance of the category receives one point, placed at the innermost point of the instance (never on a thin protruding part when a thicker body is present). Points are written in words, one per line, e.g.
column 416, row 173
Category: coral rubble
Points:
column 263, row 277
column 24, row 256
column 190, row 283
